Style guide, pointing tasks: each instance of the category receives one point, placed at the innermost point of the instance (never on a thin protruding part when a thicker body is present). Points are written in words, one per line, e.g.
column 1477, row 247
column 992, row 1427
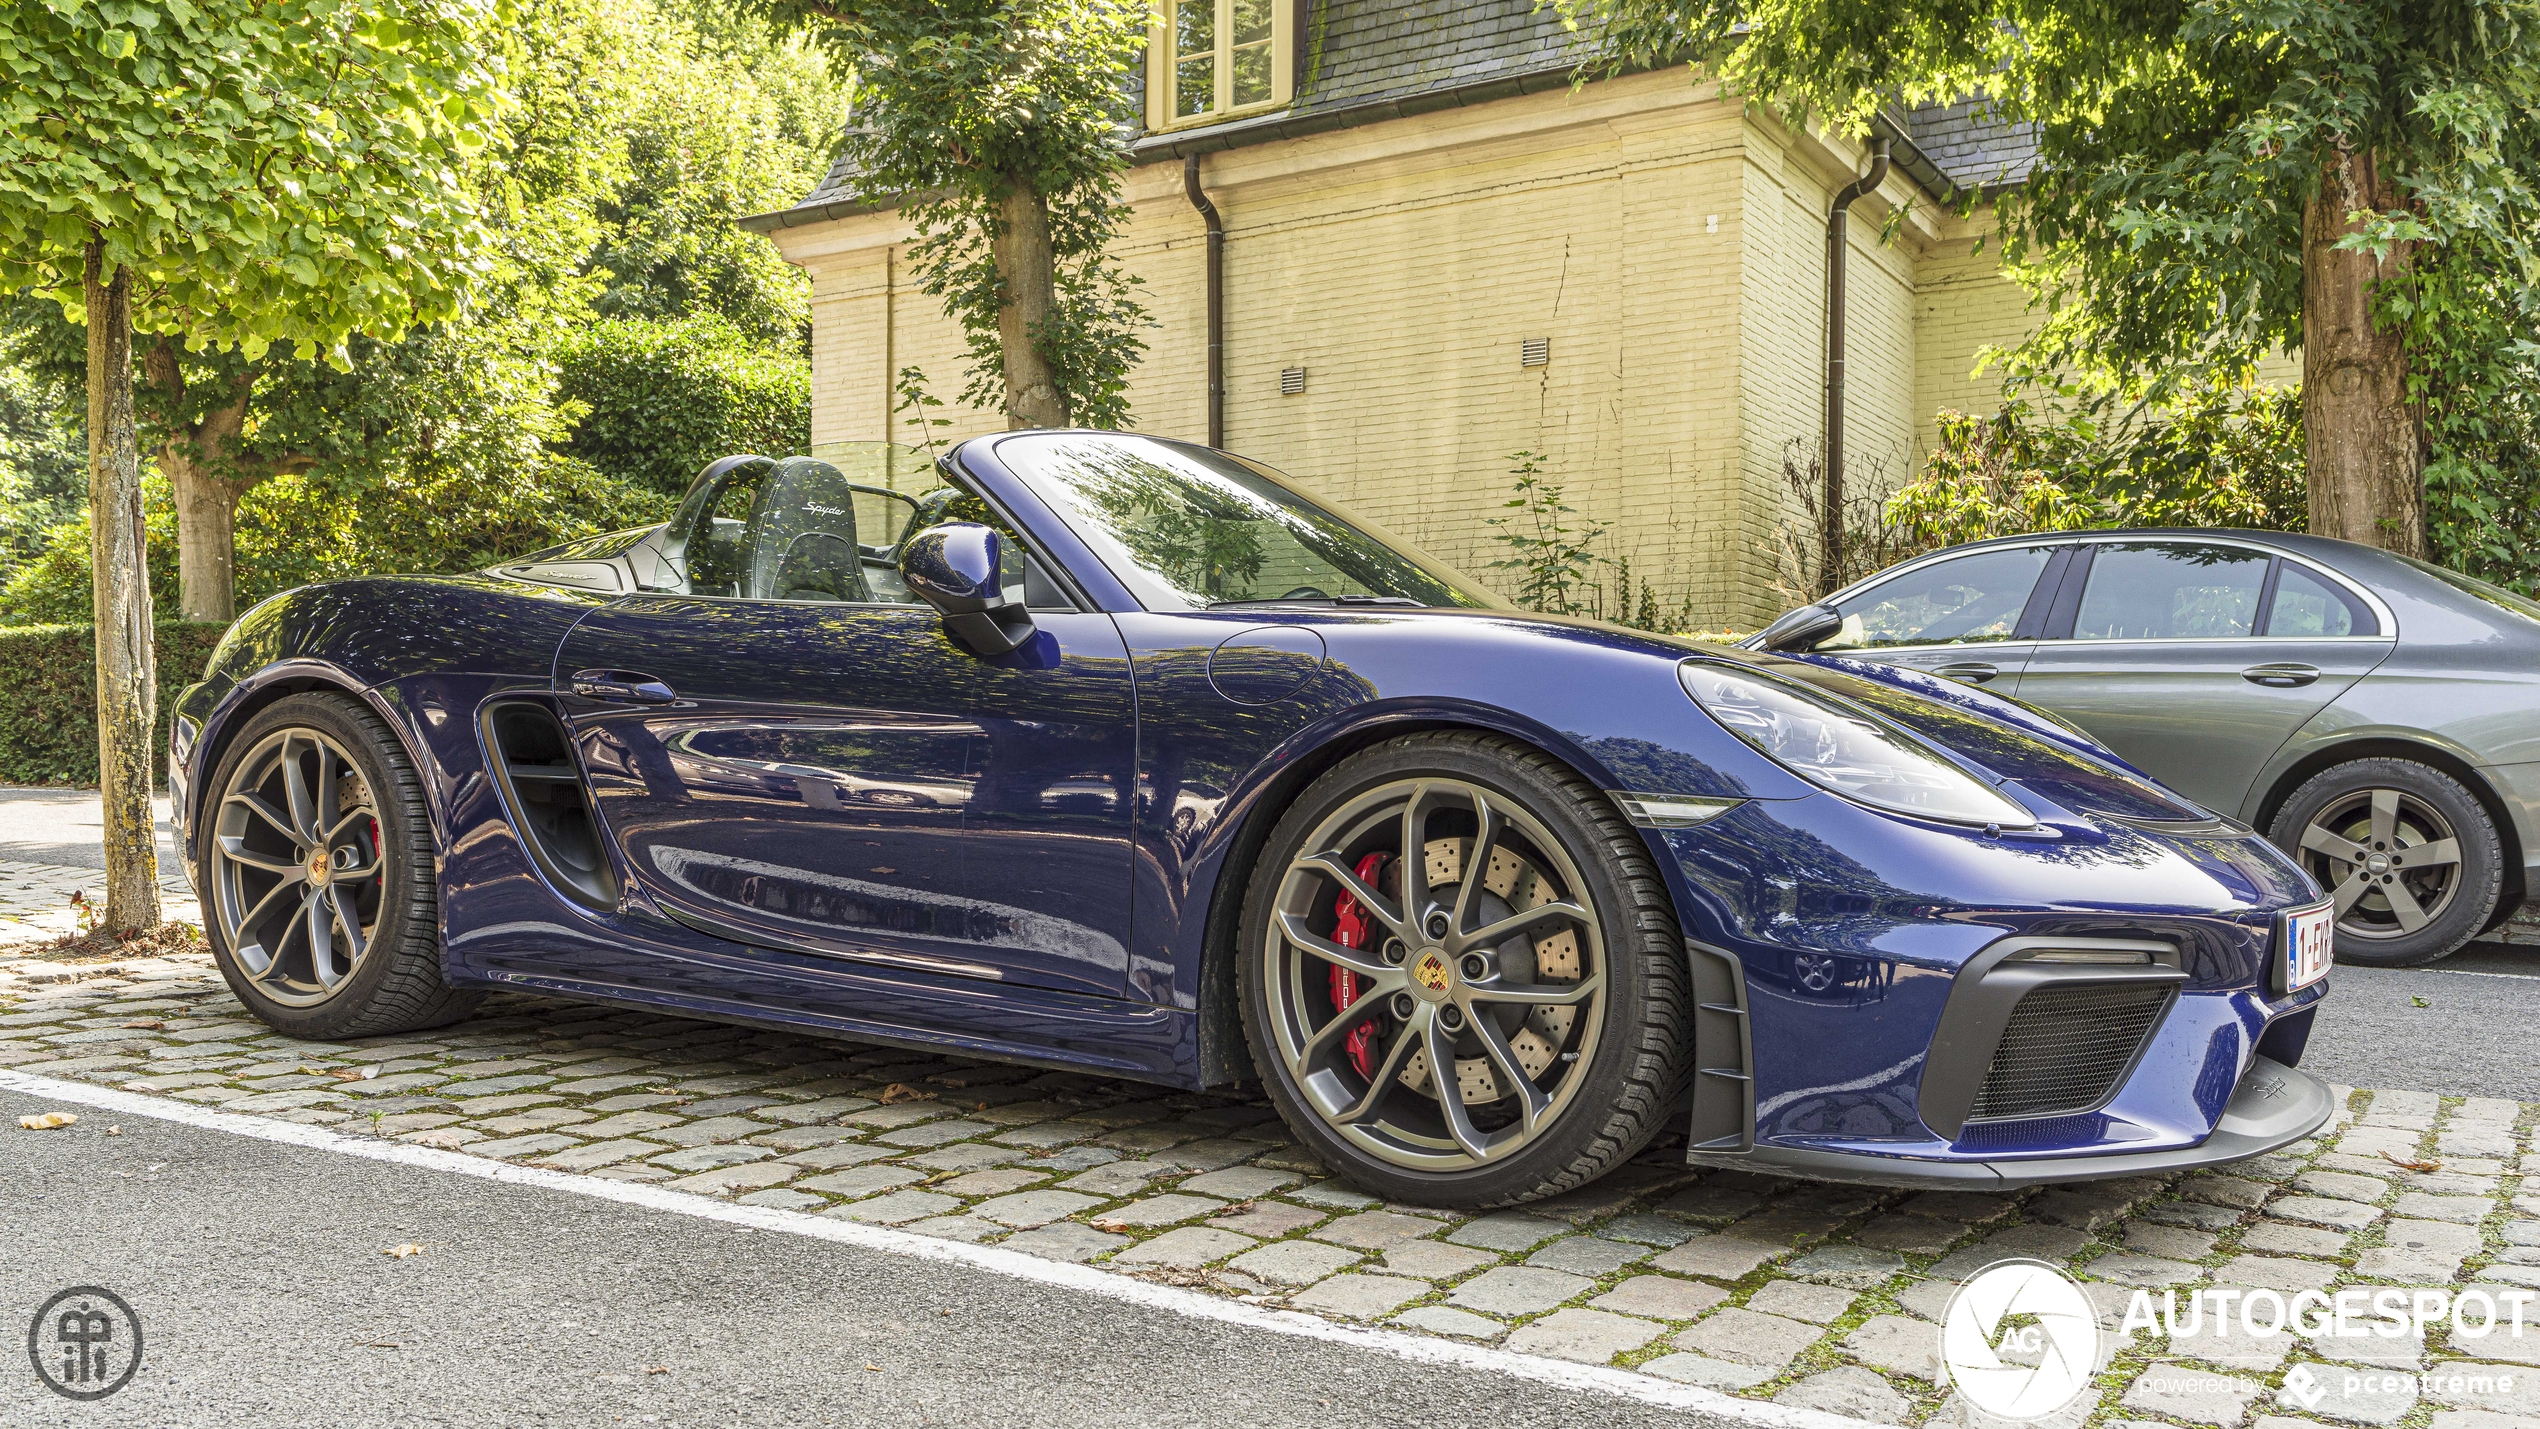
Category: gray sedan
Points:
column 2377, row 716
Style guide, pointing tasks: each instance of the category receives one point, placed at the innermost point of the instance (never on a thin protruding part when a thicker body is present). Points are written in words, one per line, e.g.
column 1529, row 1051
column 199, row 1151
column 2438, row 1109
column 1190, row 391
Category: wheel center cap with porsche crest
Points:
column 321, row 867
column 1428, row 974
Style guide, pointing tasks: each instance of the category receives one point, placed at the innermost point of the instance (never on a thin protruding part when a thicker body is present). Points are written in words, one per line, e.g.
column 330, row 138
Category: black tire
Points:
column 395, row 985
column 1637, row 1032
column 2455, row 901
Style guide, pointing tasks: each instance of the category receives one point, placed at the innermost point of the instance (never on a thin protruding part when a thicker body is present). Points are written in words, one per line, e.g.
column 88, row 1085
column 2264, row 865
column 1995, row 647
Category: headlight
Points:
column 1836, row 747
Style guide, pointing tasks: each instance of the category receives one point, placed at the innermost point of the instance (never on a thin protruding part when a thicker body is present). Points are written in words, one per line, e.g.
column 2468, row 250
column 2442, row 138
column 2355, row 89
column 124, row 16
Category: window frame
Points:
column 2059, row 622
column 1160, row 68
column 2024, row 626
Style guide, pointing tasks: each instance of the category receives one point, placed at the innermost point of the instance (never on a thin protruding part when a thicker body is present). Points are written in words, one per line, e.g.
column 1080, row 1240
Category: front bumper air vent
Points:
column 2066, row 1048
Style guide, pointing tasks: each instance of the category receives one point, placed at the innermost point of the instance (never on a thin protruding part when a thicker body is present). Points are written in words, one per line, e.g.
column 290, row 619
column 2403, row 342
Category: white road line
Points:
column 1012, row 1263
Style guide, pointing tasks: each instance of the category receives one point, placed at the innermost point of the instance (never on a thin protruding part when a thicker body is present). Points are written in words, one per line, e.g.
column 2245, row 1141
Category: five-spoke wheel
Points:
column 2411, row 857
column 1440, row 967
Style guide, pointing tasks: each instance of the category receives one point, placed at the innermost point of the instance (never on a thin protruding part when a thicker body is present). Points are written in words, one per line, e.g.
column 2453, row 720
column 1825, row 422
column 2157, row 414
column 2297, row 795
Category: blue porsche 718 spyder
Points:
column 1105, row 752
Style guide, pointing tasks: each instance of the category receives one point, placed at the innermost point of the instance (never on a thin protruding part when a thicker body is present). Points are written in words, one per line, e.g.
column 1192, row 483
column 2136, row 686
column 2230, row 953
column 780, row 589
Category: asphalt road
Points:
column 266, row 1299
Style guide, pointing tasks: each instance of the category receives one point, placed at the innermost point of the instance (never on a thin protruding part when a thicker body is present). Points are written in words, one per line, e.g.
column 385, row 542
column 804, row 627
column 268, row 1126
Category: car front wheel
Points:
column 2410, row 856
column 1461, row 977
column 318, row 894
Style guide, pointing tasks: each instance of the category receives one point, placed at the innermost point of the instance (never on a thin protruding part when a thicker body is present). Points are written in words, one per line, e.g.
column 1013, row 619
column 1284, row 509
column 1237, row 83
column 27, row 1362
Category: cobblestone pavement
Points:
column 36, row 907
column 1814, row 1295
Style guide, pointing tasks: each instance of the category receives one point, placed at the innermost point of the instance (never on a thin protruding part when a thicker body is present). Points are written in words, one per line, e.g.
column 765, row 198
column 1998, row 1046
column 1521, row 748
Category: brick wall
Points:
column 1669, row 247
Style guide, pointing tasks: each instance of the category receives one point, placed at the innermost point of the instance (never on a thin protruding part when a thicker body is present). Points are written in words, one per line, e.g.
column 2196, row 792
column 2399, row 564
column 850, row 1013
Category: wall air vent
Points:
column 1535, row 352
column 540, row 781
column 1291, row 381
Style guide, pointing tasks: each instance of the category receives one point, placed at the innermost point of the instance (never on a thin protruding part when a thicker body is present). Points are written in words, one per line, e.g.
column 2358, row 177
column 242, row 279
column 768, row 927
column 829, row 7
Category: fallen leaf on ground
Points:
column 903, row 1092
column 354, row 1074
column 147, row 1025
column 1110, row 1225
column 114, row 1131
column 400, row 1252
column 657, row 1369
column 877, row 1369
column 47, row 1121
column 2412, row 1165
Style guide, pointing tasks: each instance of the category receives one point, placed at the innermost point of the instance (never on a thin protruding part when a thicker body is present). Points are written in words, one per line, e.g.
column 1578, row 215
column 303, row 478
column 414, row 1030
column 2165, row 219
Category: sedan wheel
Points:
column 318, row 882
column 1451, row 984
column 2410, row 857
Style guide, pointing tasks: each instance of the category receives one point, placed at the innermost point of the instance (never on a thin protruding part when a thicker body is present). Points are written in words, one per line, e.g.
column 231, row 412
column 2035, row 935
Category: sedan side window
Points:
column 2171, row 590
column 1970, row 599
column 2306, row 606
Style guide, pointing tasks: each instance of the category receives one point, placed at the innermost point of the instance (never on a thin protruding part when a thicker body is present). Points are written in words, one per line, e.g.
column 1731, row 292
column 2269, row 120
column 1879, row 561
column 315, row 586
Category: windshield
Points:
column 1187, row 528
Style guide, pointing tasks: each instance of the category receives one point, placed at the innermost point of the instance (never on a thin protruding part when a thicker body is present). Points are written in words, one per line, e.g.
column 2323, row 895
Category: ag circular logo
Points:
column 2019, row 1340
column 85, row 1342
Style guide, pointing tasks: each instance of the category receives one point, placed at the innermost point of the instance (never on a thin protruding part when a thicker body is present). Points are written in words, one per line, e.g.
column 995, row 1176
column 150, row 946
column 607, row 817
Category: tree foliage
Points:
column 995, row 126
column 631, row 136
column 2215, row 457
column 268, row 169
column 2179, row 144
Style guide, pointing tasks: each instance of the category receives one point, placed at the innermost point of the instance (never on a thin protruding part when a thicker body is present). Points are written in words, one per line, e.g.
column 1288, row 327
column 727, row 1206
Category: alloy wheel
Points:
column 2389, row 859
column 1435, row 971
column 296, row 867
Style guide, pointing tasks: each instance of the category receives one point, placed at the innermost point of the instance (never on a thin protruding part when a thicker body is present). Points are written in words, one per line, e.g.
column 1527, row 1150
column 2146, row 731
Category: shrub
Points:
column 48, row 697
column 2220, row 457
column 293, row 530
column 665, row 398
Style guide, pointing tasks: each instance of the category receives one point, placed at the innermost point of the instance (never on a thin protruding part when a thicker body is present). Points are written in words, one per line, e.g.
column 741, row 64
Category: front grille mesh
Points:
column 2065, row 1048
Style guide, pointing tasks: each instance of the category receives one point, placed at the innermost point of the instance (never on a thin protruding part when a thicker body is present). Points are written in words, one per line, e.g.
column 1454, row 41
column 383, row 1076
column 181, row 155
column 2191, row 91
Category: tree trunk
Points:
column 1028, row 282
column 127, row 687
column 2363, row 441
column 198, row 459
column 206, row 542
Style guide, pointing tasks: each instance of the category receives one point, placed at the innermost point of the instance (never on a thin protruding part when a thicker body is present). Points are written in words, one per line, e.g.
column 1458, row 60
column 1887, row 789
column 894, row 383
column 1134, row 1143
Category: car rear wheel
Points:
column 1461, row 977
column 2410, row 856
column 318, row 894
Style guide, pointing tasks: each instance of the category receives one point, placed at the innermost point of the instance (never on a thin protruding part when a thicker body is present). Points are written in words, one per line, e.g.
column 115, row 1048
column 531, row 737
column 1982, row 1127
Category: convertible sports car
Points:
column 1112, row 753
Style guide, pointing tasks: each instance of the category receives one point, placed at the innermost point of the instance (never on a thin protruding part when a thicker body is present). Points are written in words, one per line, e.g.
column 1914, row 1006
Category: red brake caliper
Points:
column 1353, row 931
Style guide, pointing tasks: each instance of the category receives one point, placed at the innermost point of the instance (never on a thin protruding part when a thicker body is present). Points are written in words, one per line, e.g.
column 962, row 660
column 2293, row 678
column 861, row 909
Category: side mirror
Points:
column 955, row 568
column 1801, row 628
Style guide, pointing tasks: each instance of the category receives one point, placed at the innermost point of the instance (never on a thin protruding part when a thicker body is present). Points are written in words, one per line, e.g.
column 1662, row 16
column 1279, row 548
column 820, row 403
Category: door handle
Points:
column 1974, row 672
column 627, row 686
column 2286, row 675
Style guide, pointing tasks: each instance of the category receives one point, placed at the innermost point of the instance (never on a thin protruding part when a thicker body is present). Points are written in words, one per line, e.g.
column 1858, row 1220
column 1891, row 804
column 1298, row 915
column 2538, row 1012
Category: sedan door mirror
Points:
column 955, row 567
column 1801, row 628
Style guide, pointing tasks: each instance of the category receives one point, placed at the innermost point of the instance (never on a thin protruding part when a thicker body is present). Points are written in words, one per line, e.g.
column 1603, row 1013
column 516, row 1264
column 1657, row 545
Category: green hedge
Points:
column 665, row 398
column 48, row 697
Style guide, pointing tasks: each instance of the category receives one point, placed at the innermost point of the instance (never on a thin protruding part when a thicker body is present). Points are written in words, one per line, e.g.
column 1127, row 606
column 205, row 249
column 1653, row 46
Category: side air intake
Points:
column 2066, row 1048
column 541, row 785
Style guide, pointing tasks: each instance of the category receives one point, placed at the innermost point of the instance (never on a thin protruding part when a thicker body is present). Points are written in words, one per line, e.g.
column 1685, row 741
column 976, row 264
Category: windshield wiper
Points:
column 1395, row 600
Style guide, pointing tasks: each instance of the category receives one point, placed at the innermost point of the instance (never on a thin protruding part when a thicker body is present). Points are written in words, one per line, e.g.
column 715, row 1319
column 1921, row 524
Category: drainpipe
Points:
column 1216, row 299
column 1830, row 527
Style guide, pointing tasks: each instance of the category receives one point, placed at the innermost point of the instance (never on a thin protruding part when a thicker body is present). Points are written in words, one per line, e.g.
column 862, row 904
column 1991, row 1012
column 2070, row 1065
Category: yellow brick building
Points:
column 1413, row 193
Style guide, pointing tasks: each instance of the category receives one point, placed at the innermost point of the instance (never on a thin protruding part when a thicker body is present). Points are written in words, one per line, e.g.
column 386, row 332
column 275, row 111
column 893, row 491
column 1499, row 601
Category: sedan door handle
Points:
column 627, row 686
column 2287, row 675
column 1974, row 672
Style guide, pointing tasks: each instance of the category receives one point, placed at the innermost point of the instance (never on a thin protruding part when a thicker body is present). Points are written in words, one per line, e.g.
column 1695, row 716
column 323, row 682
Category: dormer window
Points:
column 1215, row 59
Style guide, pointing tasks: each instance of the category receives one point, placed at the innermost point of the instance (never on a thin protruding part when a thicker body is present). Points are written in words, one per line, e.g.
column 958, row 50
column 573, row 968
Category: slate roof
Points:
column 1374, row 59
column 1971, row 145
